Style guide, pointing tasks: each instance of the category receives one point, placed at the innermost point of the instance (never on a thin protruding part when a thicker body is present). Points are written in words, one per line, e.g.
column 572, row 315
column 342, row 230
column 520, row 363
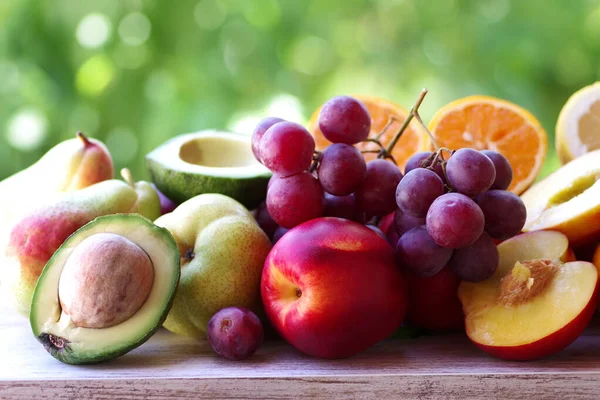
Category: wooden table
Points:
column 167, row 366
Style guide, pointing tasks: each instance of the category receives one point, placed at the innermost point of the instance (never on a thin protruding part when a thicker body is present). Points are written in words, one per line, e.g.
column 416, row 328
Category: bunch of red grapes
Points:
column 446, row 212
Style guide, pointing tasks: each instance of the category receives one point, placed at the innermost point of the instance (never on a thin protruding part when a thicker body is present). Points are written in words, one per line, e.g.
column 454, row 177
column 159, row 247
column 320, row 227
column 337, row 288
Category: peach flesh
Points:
column 106, row 279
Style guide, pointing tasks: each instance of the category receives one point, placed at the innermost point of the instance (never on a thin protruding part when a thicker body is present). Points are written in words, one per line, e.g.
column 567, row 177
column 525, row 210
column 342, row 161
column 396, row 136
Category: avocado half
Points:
column 209, row 162
column 73, row 344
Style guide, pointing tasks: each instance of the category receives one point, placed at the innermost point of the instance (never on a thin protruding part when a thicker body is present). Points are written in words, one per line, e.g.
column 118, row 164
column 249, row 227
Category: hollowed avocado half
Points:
column 75, row 342
column 209, row 162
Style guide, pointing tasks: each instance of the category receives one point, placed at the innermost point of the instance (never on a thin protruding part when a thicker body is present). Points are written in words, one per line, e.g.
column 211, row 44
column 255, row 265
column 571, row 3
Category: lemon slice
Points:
column 578, row 125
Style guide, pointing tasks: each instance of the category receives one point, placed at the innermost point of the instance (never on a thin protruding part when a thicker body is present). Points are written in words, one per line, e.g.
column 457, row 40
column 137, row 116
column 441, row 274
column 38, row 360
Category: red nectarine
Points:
column 331, row 288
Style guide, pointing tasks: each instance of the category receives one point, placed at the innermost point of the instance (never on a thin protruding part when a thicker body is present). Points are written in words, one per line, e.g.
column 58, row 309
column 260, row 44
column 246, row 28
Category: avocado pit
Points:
column 105, row 281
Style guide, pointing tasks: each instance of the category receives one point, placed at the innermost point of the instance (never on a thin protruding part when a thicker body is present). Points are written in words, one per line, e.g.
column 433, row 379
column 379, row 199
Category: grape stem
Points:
column 386, row 152
column 420, row 121
column 438, row 157
column 315, row 163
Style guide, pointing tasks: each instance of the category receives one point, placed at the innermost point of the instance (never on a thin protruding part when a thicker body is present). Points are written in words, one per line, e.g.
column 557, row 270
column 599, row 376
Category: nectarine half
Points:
column 535, row 304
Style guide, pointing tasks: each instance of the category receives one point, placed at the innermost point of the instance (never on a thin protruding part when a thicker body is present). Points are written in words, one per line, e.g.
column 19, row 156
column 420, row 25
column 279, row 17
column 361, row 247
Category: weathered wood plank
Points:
column 169, row 366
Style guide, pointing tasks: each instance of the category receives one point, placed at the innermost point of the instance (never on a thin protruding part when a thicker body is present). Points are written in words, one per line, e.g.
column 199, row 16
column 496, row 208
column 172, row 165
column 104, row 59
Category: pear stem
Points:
column 126, row 174
column 83, row 138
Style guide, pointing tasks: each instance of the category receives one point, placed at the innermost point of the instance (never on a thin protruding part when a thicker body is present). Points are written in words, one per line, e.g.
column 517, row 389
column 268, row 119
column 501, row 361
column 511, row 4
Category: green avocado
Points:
column 58, row 327
column 209, row 162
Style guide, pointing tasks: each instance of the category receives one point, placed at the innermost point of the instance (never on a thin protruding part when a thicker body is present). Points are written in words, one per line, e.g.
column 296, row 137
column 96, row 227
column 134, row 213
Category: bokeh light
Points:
column 150, row 70
column 27, row 129
column 93, row 30
column 134, row 29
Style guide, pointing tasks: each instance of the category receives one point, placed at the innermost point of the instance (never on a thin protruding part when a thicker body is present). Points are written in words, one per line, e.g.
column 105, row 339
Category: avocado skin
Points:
column 180, row 186
column 59, row 347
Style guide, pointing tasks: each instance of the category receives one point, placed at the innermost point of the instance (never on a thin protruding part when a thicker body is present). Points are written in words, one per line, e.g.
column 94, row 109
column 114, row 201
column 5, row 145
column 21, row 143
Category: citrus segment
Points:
column 578, row 125
column 482, row 122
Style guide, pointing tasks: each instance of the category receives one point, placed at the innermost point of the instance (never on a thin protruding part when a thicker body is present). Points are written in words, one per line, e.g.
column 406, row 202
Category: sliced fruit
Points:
column 535, row 304
column 209, row 162
column 568, row 201
column 106, row 290
column 483, row 122
column 413, row 140
column 578, row 124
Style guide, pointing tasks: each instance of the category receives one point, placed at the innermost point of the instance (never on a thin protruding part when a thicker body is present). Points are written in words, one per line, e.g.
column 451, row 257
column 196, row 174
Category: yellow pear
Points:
column 223, row 251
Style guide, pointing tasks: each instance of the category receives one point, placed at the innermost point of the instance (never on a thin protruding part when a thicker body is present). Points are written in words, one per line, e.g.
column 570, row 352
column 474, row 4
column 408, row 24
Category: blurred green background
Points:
column 134, row 73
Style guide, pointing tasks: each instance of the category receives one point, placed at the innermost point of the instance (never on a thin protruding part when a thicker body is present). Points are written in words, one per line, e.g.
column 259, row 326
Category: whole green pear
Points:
column 35, row 237
column 223, row 251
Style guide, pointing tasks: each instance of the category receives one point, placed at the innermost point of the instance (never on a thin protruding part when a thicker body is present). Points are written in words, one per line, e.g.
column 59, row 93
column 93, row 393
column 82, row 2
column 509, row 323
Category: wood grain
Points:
column 169, row 366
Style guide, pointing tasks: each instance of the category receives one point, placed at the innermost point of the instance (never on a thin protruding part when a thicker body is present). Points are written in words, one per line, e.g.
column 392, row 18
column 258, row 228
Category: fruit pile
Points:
column 446, row 212
column 347, row 241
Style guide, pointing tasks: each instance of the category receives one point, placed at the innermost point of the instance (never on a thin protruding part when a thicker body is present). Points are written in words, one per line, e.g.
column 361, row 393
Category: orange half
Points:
column 413, row 140
column 483, row 122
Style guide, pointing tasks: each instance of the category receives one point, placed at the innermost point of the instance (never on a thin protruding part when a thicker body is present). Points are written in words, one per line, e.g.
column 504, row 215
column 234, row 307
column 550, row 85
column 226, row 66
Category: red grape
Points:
column 295, row 199
column 504, row 172
column 344, row 119
column 417, row 190
column 259, row 132
column 264, row 220
column 343, row 207
column 279, row 232
column 454, row 221
column 504, row 213
column 470, row 172
column 376, row 194
column 418, row 253
column 476, row 262
column 342, row 169
column 235, row 333
column 287, row 148
column 405, row 222
column 415, row 161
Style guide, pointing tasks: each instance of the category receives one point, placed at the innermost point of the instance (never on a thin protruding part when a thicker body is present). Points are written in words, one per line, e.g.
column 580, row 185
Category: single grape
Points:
column 343, row 207
column 470, row 172
column 418, row 161
column 279, row 232
column 287, row 148
column 405, row 222
column 504, row 172
column 344, row 119
column 235, row 333
column 271, row 180
column 295, row 199
column 415, row 161
column 376, row 194
column 454, row 221
column 418, row 253
column 342, row 169
column 259, row 132
column 477, row 262
column 417, row 190
column 264, row 220
column 504, row 213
